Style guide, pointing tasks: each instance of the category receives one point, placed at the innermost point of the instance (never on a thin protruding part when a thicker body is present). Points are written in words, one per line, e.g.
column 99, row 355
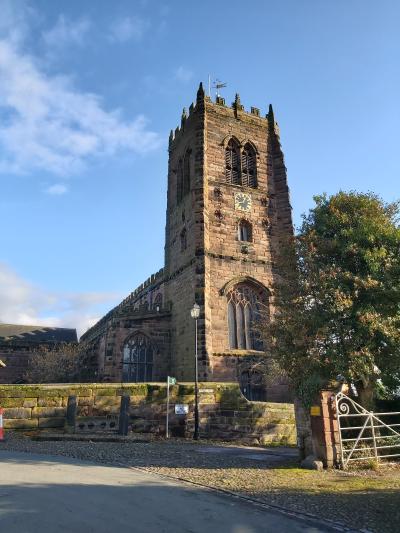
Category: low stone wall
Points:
column 224, row 412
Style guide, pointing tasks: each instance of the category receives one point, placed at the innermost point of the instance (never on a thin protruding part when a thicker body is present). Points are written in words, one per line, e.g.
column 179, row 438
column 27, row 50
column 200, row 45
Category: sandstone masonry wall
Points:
column 224, row 412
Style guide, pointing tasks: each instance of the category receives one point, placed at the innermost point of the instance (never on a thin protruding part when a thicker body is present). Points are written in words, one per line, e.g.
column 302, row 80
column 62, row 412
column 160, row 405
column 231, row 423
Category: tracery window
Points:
column 245, row 231
column 241, row 165
column 232, row 163
column 244, row 312
column 138, row 357
column 249, row 168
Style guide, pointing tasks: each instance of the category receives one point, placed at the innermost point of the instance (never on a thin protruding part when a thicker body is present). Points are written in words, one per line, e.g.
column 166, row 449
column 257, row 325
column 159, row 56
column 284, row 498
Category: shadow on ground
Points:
column 44, row 494
column 362, row 500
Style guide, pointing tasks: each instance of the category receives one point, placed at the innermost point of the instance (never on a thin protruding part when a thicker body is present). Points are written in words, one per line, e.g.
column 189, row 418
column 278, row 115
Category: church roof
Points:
column 36, row 334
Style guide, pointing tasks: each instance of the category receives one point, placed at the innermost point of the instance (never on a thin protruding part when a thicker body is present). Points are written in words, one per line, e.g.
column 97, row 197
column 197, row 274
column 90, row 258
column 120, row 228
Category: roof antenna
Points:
column 218, row 84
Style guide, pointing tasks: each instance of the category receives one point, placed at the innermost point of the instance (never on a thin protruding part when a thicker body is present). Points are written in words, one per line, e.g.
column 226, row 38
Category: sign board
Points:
column 315, row 410
column 171, row 381
column 181, row 409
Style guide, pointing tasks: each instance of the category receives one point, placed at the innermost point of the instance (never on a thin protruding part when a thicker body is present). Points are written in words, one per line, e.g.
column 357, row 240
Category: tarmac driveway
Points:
column 57, row 494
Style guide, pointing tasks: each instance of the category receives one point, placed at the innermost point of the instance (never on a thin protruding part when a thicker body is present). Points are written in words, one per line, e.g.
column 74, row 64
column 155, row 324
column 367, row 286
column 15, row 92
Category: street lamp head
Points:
column 195, row 311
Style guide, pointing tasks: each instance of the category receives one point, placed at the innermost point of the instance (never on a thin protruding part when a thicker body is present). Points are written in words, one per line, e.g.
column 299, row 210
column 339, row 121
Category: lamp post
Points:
column 195, row 313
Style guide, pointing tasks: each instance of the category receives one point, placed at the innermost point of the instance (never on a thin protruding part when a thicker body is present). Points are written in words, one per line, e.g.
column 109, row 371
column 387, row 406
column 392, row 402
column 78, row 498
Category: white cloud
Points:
column 127, row 28
column 14, row 19
column 67, row 32
column 47, row 123
column 183, row 74
column 21, row 302
column 57, row 189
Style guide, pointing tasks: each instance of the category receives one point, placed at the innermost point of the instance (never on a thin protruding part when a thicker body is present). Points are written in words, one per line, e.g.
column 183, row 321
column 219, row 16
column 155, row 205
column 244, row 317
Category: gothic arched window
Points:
column 186, row 172
column 232, row 163
column 244, row 312
column 245, row 231
column 158, row 300
column 138, row 357
column 179, row 182
column 249, row 166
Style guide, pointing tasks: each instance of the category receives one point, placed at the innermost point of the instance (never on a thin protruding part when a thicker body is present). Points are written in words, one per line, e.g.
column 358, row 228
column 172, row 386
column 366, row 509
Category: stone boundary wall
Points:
column 224, row 412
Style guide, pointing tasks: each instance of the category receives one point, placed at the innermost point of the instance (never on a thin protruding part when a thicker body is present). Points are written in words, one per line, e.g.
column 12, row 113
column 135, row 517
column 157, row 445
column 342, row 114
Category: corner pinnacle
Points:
column 200, row 92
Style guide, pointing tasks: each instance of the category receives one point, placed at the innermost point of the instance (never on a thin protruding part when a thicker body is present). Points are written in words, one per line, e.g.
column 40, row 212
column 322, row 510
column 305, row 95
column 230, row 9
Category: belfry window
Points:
column 137, row 364
column 179, row 182
column 183, row 178
column 183, row 240
column 241, row 165
column 249, row 168
column 232, row 163
column 186, row 172
column 245, row 231
column 244, row 314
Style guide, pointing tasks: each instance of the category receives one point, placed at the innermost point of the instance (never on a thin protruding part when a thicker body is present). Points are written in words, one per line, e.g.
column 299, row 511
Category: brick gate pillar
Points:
column 325, row 429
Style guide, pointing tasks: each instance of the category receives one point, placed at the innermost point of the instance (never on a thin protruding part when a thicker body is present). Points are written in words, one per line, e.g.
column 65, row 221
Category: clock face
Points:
column 242, row 201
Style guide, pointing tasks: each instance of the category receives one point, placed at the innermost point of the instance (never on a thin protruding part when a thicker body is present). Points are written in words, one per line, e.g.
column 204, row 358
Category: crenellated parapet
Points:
column 237, row 109
column 137, row 303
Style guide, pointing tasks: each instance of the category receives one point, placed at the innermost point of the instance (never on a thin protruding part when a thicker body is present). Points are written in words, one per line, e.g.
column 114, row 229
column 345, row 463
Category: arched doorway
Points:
column 138, row 355
column 252, row 386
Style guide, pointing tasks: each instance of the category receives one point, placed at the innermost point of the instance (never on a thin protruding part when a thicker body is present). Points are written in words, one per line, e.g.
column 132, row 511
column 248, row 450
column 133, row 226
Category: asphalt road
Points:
column 43, row 494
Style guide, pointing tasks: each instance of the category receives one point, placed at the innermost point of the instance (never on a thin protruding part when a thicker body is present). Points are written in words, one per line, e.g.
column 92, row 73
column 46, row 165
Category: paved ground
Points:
column 54, row 494
column 367, row 500
column 268, row 456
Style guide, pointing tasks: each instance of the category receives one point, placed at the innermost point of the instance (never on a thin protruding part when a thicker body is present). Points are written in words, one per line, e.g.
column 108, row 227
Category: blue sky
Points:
column 90, row 89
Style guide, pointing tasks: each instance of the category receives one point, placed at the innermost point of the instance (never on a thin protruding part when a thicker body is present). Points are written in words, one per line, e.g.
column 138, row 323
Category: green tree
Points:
column 337, row 303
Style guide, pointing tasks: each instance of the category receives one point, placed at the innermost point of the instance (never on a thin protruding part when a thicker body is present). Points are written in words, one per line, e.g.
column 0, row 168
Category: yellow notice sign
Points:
column 315, row 410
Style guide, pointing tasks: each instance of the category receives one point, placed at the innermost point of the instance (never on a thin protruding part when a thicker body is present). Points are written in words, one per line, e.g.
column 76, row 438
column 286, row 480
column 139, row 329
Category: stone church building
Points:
column 227, row 210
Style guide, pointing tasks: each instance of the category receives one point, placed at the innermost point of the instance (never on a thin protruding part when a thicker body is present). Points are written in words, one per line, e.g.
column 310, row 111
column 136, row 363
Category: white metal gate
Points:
column 363, row 435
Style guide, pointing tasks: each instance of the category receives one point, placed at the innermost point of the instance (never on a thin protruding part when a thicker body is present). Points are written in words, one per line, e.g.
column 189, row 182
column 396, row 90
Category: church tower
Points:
column 227, row 210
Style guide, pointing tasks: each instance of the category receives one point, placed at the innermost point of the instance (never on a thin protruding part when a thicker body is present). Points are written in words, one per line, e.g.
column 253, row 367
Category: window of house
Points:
column 183, row 240
column 232, row 163
column 249, row 167
column 137, row 364
column 245, row 231
column 244, row 314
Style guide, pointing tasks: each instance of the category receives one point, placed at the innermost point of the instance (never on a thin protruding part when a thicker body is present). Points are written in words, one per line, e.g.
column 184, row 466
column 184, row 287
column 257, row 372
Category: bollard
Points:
column 124, row 415
column 1, row 424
